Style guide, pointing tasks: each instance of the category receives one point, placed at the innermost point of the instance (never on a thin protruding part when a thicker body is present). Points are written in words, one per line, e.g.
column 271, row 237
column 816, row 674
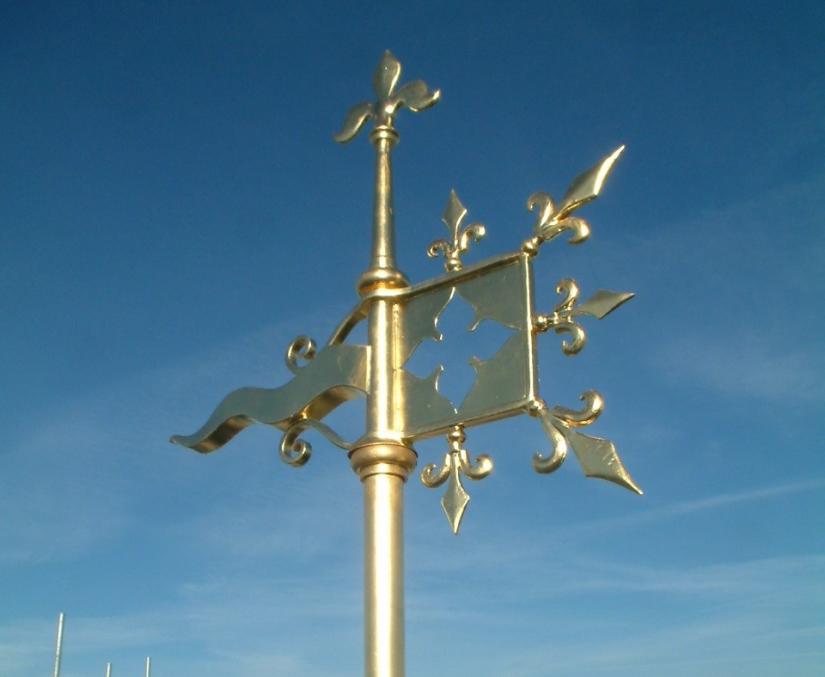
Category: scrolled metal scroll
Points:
column 593, row 407
column 295, row 451
column 553, row 429
column 300, row 348
column 561, row 319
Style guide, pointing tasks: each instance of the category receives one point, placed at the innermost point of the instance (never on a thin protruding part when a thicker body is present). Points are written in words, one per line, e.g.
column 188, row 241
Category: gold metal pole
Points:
column 380, row 459
column 383, row 271
column 383, row 469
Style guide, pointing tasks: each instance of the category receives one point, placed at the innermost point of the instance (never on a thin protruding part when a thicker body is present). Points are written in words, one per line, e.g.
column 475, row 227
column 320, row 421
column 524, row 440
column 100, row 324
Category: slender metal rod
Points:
column 148, row 667
column 383, row 221
column 108, row 670
column 383, row 271
column 59, row 644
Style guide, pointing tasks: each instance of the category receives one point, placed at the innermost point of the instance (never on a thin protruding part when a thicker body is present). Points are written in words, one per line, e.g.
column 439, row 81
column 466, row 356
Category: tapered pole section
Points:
column 148, row 667
column 58, row 651
column 383, row 271
column 108, row 670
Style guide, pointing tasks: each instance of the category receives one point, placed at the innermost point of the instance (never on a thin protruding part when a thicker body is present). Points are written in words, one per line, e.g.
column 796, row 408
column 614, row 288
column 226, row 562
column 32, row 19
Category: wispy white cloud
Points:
column 707, row 503
column 722, row 614
column 744, row 617
column 735, row 292
column 227, row 622
column 745, row 367
column 89, row 453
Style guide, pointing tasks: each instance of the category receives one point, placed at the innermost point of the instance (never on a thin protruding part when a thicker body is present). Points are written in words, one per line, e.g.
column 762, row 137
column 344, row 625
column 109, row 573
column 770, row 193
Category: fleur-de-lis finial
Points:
column 553, row 220
column 563, row 318
column 460, row 239
column 414, row 95
column 457, row 462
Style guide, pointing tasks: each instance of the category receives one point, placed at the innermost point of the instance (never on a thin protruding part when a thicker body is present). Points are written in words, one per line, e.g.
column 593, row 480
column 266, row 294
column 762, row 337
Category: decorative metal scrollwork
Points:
column 596, row 455
column 460, row 238
column 301, row 348
column 562, row 321
column 295, row 451
column 552, row 221
column 457, row 462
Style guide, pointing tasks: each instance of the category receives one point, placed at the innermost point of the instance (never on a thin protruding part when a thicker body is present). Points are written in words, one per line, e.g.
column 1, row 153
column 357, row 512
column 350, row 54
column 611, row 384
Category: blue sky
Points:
column 173, row 211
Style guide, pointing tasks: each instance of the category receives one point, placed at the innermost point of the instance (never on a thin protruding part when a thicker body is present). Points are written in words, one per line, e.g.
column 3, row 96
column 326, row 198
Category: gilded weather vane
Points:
column 403, row 408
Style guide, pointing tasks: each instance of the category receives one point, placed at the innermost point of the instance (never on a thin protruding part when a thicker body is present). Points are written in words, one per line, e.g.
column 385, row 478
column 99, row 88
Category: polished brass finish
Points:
column 382, row 458
column 552, row 221
column 597, row 456
column 460, row 237
column 403, row 407
column 456, row 463
column 302, row 348
column 561, row 321
column 417, row 97
column 383, row 469
column 337, row 374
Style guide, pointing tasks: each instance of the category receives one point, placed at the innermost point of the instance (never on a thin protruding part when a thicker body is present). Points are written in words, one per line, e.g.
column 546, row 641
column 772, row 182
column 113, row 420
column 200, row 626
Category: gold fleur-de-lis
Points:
column 460, row 238
column 562, row 319
column 414, row 95
column 457, row 462
column 552, row 220
column 597, row 456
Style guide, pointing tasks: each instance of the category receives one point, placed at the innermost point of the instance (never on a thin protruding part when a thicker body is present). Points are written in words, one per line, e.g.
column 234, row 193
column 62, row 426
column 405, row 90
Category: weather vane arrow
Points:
column 403, row 408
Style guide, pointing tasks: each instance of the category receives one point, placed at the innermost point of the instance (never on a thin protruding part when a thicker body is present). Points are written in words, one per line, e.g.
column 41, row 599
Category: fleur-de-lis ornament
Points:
column 457, row 462
column 414, row 95
column 552, row 221
column 562, row 321
column 460, row 238
column 596, row 455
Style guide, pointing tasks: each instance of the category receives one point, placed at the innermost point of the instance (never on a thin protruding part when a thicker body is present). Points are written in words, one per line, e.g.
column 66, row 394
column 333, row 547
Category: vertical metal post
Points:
column 108, row 670
column 381, row 460
column 148, row 667
column 383, row 469
column 59, row 644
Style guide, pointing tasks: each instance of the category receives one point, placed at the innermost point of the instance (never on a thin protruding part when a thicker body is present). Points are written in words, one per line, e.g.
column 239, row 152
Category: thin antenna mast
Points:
column 59, row 647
